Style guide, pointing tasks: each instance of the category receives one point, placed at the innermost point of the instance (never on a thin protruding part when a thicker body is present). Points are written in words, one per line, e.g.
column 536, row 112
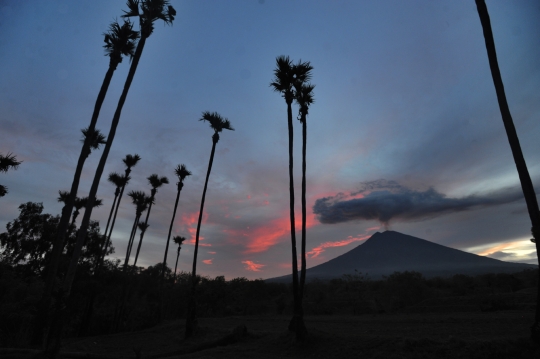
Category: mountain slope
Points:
column 388, row 252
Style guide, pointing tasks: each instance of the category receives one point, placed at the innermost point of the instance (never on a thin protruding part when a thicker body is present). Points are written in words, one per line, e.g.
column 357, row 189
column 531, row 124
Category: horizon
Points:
column 405, row 133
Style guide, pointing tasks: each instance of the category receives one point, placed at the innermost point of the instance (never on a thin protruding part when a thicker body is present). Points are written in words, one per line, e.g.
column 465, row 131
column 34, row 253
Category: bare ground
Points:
column 432, row 335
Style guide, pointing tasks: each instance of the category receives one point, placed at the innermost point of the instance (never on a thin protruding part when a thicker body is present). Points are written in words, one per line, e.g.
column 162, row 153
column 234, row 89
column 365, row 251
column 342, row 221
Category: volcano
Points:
column 388, row 252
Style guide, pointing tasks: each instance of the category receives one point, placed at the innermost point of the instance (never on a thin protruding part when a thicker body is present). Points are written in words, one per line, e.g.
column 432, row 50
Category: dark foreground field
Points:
column 431, row 335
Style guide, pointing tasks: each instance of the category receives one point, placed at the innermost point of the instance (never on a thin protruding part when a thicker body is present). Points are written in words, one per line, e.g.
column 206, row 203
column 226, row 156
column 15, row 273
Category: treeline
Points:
column 20, row 291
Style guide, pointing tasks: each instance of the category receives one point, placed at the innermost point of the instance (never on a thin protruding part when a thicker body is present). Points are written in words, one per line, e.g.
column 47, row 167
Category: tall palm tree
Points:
column 155, row 182
column 218, row 124
column 285, row 76
column 523, row 172
column 304, row 99
column 130, row 161
column 119, row 41
column 149, row 12
column 181, row 172
column 7, row 162
column 178, row 240
column 141, row 201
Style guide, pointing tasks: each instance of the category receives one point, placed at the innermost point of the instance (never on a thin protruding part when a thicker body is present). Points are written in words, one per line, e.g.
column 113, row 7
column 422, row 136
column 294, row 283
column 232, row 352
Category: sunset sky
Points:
column 405, row 132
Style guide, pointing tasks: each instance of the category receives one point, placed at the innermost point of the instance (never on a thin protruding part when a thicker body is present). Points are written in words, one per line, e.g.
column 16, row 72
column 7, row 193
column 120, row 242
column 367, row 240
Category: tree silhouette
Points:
column 285, row 76
column 304, row 99
column 181, row 172
column 178, row 240
column 141, row 202
column 155, row 182
column 218, row 124
column 119, row 41
column 7, row 162
column 130, row 161
column 523, row 172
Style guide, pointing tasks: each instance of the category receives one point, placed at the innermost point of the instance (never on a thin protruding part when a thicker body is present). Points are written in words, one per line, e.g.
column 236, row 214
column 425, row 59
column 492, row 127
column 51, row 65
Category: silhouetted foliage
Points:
column 7, row 162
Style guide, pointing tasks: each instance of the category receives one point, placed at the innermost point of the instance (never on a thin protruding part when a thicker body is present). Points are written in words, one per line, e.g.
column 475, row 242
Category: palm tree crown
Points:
column 304, row 98
column 217, row 123
column 150, row 11
column 182, row 172
column 8, row 161
column 120, row 40
column 179, row 240
column 131, row 160
column 95, row 139
column 156, row 181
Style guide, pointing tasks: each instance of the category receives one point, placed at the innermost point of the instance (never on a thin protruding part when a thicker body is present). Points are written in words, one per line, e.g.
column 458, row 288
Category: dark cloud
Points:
column 386, row 201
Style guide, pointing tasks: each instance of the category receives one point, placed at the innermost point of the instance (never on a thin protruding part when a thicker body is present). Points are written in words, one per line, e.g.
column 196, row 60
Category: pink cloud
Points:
column 211, row 252
column 189, row 224
column 208, row 261
column 252, row 266
column 314, row 253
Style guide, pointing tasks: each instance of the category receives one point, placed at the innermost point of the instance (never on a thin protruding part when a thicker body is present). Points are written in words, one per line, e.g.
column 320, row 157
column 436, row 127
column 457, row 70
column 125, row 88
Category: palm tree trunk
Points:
column 303, row 254
column 54, row 345
column 180, row 185
column 162, row 277
column 130, row 242
column 40, row 321
column 103, row 249
column 143, row 231
column 524, row 177
column 296, row 323
column 191, row 320
column 176, row 265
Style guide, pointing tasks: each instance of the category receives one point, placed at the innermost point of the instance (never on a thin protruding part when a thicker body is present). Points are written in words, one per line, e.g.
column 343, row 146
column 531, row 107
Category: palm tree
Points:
column 181, row 172
column 285, row 76
column 119, row 41
column 149, row 12
column 178, row 240
column 218, row 124
column 524, row 177
column 141, row 201
column 304, row 99
column 130, row 161
column 155, row 182
column 7, row 162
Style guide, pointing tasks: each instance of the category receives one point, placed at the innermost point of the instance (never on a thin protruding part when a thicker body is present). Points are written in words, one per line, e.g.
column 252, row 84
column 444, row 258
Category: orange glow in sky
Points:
column 260, row 239
column 314, row 253
column 252, row 266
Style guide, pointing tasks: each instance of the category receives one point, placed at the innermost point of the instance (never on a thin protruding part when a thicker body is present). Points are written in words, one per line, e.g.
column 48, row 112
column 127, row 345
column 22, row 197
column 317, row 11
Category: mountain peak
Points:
column 387, row 252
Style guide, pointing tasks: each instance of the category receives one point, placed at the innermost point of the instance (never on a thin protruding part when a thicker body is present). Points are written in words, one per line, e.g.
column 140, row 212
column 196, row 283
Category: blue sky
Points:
column 403, row 94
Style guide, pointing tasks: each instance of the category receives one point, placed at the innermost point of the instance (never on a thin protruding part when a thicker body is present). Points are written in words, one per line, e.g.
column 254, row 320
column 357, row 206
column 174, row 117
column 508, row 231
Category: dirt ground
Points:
column 435, row 335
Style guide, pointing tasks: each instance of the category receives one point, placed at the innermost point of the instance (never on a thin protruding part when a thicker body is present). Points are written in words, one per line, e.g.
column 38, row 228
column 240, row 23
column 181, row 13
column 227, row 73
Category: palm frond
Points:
column 8, row 161
column 217, row 123
column 179, row 240
column 120, row 40
column 143, row 226
column 3, row 190
column 302, row 71
column 63, row 196
column 131, row 160
column 182, row 172
column 95, row 138
column 304, row 98
column 133, row 8
column 283, row 75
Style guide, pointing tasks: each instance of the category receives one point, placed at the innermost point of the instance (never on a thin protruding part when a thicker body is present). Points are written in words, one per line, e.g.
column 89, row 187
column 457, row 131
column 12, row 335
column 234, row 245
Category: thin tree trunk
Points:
column 53, row 345
column 130, row 242
column 143, row 231
column 114, row 217
column 191, row 320
column 176, row 265
column 41, row 319
column 295, row 323
column 524, row 177
column 162, row 277
column 180, row 185
column 303, row 270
